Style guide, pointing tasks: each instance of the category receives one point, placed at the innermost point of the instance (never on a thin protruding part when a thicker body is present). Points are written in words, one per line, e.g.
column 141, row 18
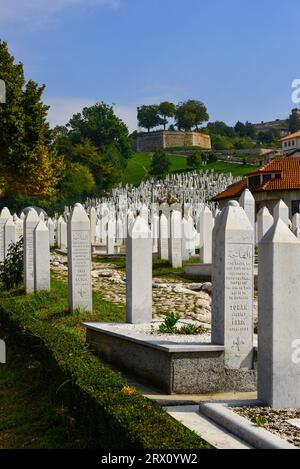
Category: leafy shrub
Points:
column 194, row 160
column 260, row 421
column 11, row 270
column 160, row 164
column 169, row 324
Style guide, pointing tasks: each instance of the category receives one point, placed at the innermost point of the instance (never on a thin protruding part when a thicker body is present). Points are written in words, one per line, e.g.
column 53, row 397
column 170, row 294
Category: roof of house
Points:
column 289, row 168
column 290, row 136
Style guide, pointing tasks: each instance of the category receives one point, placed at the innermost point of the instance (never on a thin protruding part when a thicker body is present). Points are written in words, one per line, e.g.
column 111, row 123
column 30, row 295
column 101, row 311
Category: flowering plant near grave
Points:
column 11, row 270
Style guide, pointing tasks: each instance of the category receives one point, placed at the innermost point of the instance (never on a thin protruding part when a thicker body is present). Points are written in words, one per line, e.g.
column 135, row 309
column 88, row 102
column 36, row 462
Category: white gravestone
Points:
column 19, row 227
column 281, row 211
column 175, row 240
column 247, row 201
column 110, row 242
column 4, row 216
column 207, row 227
column 63, row 235
column 278, row 318
column 50, row 226
column 41, row 257
column 163, row 240
column 295, row 222
column 120, row 231
column 79, row 260
column 139, row 273
column 10, row 236
column 155, row 232
column 93, row 220
column 264, row 222
column 184, row 241
column 31, row 221
column 232, row 279
column 58, row 231
column 191, row 237
column 144, row 213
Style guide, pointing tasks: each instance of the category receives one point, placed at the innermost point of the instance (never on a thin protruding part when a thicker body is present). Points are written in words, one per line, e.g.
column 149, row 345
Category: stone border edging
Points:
column 258, row 437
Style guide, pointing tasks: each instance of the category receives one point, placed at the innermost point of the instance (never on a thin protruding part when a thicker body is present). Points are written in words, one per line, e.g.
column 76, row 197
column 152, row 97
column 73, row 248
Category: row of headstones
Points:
column 232, row 307
column 194, row 187
column 168, row 231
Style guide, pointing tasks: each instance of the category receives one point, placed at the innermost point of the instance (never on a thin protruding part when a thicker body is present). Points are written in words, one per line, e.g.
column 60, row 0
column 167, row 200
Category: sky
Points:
column 239, row 57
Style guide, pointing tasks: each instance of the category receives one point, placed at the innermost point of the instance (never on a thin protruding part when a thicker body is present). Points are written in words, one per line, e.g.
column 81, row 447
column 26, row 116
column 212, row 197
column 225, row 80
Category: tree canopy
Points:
column 190, row 114
column 166, row 109
column 294, row 122
column 97, row 140
column 148, row 116
column 29, row 163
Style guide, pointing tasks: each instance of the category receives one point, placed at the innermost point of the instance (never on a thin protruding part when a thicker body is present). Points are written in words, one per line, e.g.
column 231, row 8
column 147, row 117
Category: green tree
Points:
column 220, row 142
column 148, row 116
column 166, row 109
column 98, row 140
column 194, row 160
column 220, row 128
column 102, row 127
column 77, row 184
column 250, row 130
column 270, row 137
column 242, row 143
column 190, row 114
column 240, row 129
column 294, row 121
column 160, row 163
column 29, row 164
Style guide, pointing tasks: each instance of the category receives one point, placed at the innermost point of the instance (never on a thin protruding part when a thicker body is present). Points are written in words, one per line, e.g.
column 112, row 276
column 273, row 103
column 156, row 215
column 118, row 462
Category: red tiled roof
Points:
column 290, row 136
column 289, row 168
column 235, row 190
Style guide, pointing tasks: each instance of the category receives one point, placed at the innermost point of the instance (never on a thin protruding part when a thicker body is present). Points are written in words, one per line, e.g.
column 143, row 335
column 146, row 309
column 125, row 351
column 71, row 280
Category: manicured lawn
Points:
column 234, row 168
column 139, row 165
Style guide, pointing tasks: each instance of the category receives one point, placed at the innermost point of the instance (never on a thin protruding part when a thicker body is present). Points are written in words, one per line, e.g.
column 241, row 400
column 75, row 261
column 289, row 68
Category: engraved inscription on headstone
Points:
column 238, row 292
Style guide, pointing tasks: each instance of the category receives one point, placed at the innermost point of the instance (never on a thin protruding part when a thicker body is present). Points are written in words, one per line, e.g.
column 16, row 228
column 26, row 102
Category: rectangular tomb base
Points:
column 184, row 367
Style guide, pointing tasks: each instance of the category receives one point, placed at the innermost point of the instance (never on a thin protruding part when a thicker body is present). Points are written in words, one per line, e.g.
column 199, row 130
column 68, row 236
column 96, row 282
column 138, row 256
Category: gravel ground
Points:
column 151, row 331
column 276, row 421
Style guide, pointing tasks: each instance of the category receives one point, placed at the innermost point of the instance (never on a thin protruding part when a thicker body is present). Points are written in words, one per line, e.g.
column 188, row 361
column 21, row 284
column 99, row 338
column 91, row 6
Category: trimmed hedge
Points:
column 99, row 397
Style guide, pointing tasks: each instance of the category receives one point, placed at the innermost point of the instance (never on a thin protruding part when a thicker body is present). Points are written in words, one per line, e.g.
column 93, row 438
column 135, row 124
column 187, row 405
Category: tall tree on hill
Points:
column 190, row 114
column 148, row 116
column 166, row 109
column 160, row 163
column 294, row 122
column 97, row 139
column 29, row 164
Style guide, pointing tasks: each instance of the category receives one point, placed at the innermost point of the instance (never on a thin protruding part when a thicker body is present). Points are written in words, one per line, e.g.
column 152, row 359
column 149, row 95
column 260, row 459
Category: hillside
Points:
column 139, row 165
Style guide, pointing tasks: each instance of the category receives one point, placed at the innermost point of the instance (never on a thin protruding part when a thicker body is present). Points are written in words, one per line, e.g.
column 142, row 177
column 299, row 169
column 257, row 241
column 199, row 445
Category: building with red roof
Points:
column 277, row 180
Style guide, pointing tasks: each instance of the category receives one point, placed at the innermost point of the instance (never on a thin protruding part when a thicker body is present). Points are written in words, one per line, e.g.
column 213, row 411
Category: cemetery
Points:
column 108, row 301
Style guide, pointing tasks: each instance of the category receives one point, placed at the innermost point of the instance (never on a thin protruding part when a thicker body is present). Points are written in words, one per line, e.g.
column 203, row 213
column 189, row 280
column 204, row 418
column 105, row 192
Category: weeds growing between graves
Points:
column 169, row 326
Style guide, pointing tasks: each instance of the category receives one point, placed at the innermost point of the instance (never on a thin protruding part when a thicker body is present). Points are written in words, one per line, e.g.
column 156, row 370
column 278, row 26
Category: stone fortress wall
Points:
column 169, row 139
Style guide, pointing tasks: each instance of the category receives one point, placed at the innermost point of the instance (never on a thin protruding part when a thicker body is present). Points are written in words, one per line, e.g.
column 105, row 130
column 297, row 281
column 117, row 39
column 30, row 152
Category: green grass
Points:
column 234, row 168
column 160, row 268
column 31, row 415
column 97, row 396
column 139, row 165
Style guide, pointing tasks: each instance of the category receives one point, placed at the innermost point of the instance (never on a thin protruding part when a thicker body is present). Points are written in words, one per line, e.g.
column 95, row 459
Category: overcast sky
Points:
column 238, row 56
